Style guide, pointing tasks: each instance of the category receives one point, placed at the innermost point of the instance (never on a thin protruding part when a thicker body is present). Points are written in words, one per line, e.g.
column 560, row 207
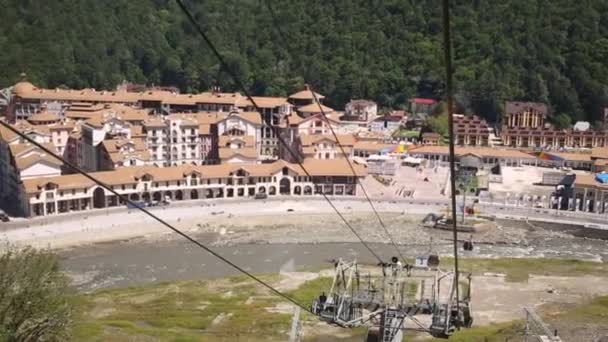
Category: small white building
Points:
column 382, row 165
column 360, row 110
column 386, row 124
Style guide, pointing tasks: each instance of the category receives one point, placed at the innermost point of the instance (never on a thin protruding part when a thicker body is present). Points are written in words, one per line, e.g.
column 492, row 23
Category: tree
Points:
column 387, row 51
column 562, row 121
column 439, row 124
column 34, row 297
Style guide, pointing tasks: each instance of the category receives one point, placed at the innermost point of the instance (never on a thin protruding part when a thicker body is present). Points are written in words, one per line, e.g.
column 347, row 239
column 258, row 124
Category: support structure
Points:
column 383, row 304
column 537, row 329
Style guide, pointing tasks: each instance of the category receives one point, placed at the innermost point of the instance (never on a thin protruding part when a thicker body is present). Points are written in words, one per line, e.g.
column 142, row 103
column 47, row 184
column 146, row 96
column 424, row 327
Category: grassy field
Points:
column 223, row 310
column 518, row 269
column 236, row 309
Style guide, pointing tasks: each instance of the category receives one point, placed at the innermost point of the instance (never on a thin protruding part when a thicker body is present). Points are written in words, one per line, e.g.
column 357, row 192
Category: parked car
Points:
column 260, row 195
column 3, row 216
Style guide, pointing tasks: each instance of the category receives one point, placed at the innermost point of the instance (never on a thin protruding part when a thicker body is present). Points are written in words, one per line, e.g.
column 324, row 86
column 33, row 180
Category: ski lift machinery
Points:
column 380, row 300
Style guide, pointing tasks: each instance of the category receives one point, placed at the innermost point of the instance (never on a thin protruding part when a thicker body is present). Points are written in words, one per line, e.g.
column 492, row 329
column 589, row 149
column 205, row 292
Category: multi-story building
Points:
column 94, row 131
column 68, row 193
column 238, row 149
column 525, row 126
column 524, row 115
column 360, row 110
column 488, row 156
column 19, row 161
column 549, row 138
column 247, row 126
column 587, row 194
column 305, row 97
column 386, row 124
column 322, row 146
column 422, row 105
column 122, row 152
column 174, row 140
column 28, row 99
column 431, row 138
column 471, row 130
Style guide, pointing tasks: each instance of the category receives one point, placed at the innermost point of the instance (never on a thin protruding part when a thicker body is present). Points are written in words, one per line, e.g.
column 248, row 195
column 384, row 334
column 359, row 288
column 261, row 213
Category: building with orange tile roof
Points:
column 69, row 193
column 325, row 146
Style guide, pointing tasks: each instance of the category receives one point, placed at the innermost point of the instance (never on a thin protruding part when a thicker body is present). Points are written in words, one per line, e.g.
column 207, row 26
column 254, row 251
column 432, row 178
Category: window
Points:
column 166, row 183
column 73, row 191
column 179, row 183
column 60, row 193
column 123, row 186
column 134, row 186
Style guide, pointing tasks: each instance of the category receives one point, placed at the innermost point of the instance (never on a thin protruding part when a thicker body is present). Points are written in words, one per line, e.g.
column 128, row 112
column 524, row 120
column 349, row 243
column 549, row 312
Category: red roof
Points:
column 421, row 100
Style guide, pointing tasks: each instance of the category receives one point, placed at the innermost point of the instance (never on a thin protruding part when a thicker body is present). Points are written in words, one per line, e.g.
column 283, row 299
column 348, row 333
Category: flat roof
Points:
column 481, row 151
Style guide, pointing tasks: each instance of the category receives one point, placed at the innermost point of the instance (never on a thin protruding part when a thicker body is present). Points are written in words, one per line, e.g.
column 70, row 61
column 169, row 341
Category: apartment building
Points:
column 19, row 161
column 122, row 152
column 524, row 115
column 471, row 130
column 243, row 131
column 28, row 100
column 323, row 146
column 360, row 110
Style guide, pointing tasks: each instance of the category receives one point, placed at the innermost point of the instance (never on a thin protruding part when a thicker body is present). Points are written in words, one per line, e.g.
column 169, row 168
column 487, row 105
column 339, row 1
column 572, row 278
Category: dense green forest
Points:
column 554, row 51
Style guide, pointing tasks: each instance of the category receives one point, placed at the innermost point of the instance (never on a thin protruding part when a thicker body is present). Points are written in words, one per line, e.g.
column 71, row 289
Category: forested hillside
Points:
column 554, row 51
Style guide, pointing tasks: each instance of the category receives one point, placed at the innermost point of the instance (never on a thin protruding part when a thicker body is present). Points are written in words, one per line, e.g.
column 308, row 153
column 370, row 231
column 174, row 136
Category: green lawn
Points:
column 518, row 269
column 185, row 311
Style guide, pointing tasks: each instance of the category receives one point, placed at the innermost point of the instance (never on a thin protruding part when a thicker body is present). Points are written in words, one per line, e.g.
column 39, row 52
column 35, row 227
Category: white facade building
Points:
column 62, row 194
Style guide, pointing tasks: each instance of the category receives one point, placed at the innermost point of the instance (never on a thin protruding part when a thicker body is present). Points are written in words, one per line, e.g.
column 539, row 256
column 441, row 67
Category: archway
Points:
column 169, row 195
column 285, row 187
column 99, row 198
column 194, row 194
column 146, row 197
column 307, row 190
column 262, row 190
column 157, row 196
column 179, row 195
column 208, row 193
column 272, row 190
column 220, row 193
column 134, row 197
column 297, row 190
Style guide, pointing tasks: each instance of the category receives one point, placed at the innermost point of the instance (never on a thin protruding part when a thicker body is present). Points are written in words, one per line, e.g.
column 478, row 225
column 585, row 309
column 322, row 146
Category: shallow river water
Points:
column 139, row 262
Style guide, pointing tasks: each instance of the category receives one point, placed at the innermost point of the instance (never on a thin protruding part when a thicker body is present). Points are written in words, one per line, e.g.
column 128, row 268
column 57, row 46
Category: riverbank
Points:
column 300, row 221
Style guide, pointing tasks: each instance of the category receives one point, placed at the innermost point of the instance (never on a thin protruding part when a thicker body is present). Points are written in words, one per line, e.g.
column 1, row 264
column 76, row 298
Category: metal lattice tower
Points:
column 537, row 330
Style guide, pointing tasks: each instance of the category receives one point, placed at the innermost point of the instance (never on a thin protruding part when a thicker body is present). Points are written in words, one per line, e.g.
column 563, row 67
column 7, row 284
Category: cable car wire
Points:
column 286, row 43
column 155, row 217
column 268, row 121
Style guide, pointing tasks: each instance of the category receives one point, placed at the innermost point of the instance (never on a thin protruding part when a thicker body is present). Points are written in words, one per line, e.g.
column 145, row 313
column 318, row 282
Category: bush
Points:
column 34, row 297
